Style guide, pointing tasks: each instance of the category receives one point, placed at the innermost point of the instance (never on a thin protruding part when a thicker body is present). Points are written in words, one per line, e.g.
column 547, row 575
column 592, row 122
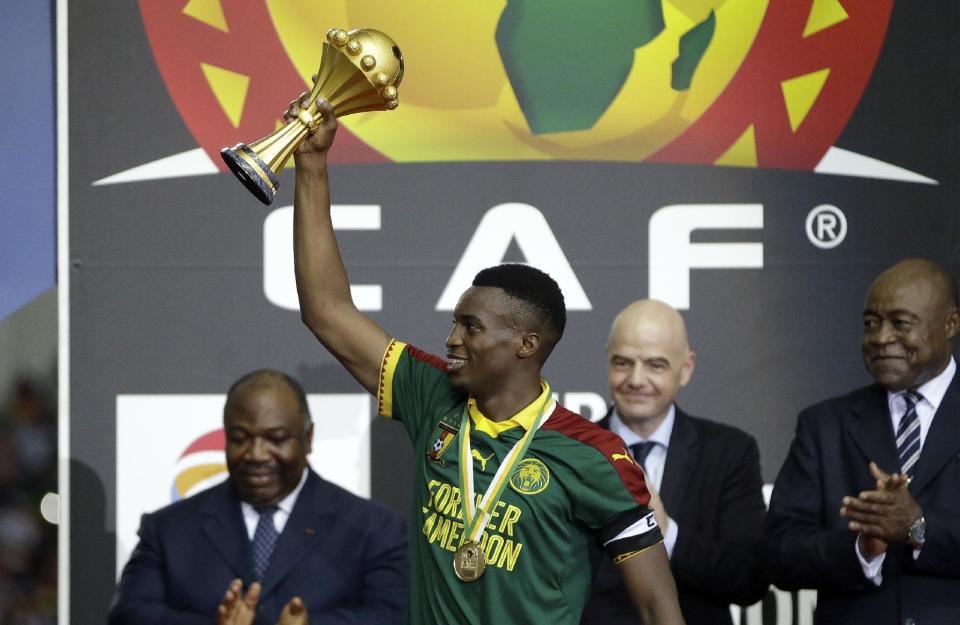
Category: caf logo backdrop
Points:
column 768, row 83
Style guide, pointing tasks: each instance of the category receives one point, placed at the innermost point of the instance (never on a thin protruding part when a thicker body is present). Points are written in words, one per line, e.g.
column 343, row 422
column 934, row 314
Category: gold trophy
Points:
column 360, row 70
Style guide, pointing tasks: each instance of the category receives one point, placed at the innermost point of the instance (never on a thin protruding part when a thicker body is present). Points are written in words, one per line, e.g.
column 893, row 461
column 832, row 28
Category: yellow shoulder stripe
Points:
column 388, row 366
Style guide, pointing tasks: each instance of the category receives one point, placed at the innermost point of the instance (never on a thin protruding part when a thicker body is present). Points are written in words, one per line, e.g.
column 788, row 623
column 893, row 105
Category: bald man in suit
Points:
column 704, row 476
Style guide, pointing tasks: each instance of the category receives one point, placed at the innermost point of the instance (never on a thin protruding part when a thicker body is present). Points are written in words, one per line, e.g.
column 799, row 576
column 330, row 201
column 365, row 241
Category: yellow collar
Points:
column 526, row 418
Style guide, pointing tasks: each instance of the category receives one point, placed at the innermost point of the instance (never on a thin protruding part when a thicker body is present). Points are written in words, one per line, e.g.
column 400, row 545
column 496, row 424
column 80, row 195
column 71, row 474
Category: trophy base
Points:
column 250, row 169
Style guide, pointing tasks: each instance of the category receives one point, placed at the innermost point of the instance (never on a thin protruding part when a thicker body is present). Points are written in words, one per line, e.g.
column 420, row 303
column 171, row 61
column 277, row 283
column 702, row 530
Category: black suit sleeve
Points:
column 142, row 595
column 801, row 551
column 384, row 583
column 725, row 560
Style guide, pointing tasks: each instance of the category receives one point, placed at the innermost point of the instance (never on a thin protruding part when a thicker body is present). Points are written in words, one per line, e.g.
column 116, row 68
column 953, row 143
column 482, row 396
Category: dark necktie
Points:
column 640, row 451
column 264, row 541
column 908, row 434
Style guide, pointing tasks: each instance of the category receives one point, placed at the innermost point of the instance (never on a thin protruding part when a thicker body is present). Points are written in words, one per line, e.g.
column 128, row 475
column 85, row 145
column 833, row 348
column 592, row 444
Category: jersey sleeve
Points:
column 413, row 387
column 614, row 500
column 616, row 507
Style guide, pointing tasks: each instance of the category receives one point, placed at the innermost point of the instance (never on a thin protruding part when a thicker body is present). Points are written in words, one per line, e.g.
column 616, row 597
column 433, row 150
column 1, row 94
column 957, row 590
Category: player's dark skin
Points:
column 502, row 365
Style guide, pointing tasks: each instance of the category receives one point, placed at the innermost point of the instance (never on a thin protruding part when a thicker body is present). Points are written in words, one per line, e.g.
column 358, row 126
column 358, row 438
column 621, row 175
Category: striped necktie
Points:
column 264, row 541
column 640, row 451
column 908, row 434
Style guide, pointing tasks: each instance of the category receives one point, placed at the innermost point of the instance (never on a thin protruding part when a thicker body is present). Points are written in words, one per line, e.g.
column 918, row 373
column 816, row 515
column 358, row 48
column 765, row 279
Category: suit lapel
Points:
column 943, row 440
column 308, row 524
column 225, row 529
column 683, row 447
column 872, row 432
column 605, row 421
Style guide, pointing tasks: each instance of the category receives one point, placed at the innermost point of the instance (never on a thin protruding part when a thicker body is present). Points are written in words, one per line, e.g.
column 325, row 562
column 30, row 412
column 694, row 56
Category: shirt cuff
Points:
column 670, row 538
column 872, row 570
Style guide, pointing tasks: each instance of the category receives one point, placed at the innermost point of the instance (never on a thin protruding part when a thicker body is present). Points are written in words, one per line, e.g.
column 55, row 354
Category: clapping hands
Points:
column 883, row 515
column 239, row 608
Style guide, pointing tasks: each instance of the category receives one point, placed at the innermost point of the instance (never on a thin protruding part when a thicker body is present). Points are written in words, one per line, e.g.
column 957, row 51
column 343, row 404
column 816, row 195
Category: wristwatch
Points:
column 918, row 533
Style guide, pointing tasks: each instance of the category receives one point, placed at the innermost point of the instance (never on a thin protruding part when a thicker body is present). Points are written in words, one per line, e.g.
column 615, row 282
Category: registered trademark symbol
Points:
column 826, row 226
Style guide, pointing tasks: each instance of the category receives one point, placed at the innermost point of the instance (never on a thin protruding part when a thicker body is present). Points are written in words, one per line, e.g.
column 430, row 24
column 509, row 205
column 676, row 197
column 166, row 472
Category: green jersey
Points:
column 575, row 492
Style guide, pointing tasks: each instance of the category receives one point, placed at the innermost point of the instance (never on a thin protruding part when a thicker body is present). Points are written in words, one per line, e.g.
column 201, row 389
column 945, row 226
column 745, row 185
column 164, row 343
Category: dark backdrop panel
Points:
column 167, row 275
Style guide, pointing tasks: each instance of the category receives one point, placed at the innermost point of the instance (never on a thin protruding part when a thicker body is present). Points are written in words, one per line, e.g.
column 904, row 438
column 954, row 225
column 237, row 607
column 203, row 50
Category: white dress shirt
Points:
column 655, row 462
column 284, row 508
column 932, row 391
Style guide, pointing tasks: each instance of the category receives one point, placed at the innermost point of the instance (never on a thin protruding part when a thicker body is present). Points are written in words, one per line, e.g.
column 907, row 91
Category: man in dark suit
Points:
column 709, row 504
column 300, row 545
column 866, row 507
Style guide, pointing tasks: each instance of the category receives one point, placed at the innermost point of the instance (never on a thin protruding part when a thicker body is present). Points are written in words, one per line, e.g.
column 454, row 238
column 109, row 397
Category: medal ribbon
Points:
column 477, row 522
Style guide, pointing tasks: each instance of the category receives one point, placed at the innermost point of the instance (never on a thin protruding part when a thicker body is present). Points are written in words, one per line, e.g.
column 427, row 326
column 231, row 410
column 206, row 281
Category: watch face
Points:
column 918, row 531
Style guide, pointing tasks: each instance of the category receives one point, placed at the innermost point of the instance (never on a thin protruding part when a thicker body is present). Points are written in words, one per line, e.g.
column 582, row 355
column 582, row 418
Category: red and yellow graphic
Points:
column 751, row 83
column 201, row 465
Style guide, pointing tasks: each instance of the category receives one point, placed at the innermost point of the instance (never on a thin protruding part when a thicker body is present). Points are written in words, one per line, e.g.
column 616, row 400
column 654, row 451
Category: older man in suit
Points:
column 866, row 507
column 275, row 541
column 709, row 503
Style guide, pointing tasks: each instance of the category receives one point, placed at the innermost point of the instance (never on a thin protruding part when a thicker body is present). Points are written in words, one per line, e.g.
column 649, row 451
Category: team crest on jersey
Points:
column 530, row 477
column 442, row 437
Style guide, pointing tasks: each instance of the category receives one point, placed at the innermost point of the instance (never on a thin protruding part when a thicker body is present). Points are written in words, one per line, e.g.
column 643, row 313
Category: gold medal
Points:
column 469, row 562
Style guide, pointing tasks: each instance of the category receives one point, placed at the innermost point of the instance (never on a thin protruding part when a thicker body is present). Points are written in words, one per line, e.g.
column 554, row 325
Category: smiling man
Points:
column 507, row 535
column 704, row 476
column 273, row 542
column 865, row 508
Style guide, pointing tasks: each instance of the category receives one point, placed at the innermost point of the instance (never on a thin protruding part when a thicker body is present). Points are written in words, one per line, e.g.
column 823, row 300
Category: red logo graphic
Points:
column 753, row 83
column 201, row 465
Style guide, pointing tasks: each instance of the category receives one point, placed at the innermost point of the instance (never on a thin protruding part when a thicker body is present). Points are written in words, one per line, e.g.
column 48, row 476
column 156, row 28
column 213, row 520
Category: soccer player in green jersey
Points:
column 514, row 496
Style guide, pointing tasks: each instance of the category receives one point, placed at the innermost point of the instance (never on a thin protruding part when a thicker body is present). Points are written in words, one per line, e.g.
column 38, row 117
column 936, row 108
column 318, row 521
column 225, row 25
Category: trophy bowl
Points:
column 360, row 71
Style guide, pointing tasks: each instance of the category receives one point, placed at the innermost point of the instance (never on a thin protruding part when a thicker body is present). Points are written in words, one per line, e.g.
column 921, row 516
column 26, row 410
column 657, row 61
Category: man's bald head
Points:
column 650, row 315
column 910, row 318
column 648, row 362
column 941, row 284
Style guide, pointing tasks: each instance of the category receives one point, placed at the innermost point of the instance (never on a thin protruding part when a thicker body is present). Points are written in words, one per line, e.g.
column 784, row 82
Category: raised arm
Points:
column 326, row 306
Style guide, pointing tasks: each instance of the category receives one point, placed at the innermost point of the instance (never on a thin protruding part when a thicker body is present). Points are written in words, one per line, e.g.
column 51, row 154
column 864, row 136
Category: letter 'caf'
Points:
column 360, row 71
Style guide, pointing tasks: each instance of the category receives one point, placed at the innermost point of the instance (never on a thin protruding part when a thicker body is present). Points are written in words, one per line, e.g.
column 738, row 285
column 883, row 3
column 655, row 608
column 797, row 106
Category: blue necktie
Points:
column 640, row 451
column 908, row 434
column 264, row 541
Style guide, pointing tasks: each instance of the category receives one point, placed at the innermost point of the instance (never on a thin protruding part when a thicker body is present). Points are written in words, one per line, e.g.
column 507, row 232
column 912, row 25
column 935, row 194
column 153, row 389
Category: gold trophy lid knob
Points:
column 337, row 36
column 381, row 58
